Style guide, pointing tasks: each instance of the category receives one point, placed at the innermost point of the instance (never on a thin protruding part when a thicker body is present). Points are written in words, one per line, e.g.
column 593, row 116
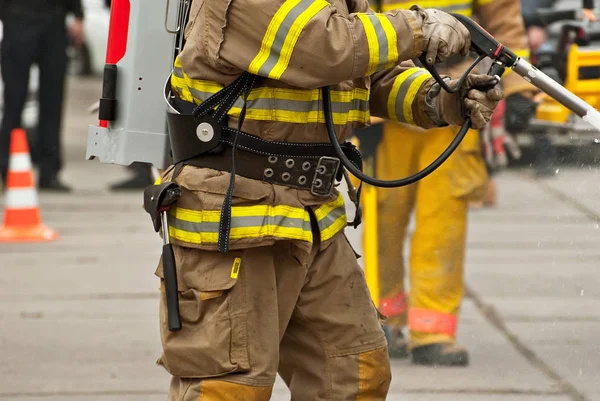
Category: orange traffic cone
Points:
column 22, row 222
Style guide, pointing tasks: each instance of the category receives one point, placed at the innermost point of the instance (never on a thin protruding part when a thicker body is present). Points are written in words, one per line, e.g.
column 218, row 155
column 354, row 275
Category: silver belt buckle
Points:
column 325, row 173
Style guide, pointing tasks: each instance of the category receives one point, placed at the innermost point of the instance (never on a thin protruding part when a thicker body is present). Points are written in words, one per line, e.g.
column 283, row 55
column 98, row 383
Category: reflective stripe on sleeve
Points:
column 464, row 7
column 282, row 34
column 382, row 41
column 403, row 93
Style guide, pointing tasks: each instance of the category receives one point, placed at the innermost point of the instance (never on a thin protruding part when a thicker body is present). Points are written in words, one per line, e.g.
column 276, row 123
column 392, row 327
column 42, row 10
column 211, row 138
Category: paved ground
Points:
column 78, row 316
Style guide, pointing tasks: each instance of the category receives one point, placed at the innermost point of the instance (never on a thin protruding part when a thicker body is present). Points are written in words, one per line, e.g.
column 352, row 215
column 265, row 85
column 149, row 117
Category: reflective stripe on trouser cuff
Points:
column 403, row 93
column 299, row 106
column 282, row 34
column 449, row 6
column 430, row 321
column 393, row 306
column 382, row 41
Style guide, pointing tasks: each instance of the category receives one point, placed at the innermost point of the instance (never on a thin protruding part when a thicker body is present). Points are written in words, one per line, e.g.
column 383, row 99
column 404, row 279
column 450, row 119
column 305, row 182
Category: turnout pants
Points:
column 252, row 313
column 440, row 202
column 27, row 41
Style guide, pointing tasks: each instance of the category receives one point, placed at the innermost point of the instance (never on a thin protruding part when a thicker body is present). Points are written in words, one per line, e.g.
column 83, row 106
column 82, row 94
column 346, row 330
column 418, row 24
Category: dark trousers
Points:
column 28, row 41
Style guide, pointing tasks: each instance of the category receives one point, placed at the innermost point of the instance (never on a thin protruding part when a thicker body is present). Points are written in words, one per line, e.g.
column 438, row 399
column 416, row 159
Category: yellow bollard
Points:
column 369, row 197
column 369, row 202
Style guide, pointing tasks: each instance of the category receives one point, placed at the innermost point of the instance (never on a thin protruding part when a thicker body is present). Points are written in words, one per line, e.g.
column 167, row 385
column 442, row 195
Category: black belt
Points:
column 311, row 166
column 200, row 137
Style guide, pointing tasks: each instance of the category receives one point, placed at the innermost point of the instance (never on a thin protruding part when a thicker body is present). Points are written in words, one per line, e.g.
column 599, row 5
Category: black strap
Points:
column 225, row 221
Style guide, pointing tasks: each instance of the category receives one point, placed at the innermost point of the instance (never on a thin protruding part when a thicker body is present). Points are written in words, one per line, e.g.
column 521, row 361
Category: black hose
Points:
column 386, row 183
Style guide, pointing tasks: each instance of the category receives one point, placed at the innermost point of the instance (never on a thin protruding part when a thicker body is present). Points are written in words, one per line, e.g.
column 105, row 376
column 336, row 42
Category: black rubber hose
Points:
column 386, row 183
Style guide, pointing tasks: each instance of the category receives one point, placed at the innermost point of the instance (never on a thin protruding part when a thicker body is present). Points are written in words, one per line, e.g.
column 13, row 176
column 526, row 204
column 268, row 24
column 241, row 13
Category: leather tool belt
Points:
column 311, row 166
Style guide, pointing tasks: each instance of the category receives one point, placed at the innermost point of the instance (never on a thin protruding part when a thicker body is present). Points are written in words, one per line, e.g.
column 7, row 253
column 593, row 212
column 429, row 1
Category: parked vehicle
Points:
column 571, row 56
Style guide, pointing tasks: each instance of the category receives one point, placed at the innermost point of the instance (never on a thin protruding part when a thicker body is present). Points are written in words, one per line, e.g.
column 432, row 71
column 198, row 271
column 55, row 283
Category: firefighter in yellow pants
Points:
column 440, row 202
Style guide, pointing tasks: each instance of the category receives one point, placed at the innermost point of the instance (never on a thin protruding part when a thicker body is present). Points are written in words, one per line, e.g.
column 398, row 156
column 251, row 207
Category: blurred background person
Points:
column 35, row 32
column 536, row 34
column 440, row 202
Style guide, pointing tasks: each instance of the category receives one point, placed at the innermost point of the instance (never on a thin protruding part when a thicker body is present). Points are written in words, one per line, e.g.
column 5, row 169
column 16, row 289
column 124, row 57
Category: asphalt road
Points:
column 78, row 317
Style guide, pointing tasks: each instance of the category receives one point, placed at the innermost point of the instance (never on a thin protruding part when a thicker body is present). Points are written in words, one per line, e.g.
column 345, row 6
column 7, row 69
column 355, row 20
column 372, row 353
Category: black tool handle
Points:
column 168, row 259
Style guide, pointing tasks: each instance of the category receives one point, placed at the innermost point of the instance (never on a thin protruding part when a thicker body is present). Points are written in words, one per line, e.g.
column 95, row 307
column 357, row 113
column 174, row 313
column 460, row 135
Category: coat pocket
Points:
column 213, row 338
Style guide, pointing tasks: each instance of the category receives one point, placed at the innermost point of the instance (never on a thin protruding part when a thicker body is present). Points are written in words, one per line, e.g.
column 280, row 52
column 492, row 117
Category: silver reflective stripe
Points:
column 240, row 222
column 205, row 95
column 280, row 36
column 331, row 217
column 382, row 40
column 178, row 72
column 290, row 105
column 402, row 94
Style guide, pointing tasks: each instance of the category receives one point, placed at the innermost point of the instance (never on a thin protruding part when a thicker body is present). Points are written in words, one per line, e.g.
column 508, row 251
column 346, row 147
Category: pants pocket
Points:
column 468, row 173
column 213, row 339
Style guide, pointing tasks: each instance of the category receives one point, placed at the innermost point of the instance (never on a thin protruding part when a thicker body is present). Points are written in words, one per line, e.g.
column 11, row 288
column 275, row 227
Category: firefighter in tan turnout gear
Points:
column 440, row 202
column 267, row 281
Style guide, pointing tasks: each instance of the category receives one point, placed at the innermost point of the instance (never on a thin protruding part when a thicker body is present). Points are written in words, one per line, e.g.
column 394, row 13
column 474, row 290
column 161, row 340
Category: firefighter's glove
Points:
column 520, row 110
column 444, row 35
column 478, row 96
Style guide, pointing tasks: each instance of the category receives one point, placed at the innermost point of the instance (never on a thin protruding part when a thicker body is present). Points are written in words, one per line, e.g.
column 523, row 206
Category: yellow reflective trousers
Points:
column 440, row 202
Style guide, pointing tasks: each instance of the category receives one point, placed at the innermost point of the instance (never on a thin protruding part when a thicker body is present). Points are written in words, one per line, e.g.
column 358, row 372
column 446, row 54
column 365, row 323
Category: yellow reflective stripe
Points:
column 273, row 93
column 322, row 211
column 240, row 233
column 335, row 228
column 199, row 216
column 282, row 34
column 325, row 213
column 296, row 117
column 292, row 38
column 202, row 226
column 392, row 40
column 269, row 38
column 483, row 2
column 410, row 97
column 391, row 104
column 371, row 42
column 281, row 221
column 438, row 4
column 348, row 106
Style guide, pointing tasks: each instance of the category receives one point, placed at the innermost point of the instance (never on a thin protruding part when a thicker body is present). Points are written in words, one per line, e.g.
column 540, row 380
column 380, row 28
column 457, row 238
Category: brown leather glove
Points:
column 479, row 95
column 444, row 35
